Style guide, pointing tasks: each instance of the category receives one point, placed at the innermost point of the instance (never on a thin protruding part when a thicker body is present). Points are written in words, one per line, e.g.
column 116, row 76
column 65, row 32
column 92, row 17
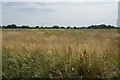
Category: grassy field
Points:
column 84, row 53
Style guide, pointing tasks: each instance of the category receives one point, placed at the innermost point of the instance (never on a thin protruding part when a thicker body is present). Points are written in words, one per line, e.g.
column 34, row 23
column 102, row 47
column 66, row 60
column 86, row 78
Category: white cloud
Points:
column 79, row 14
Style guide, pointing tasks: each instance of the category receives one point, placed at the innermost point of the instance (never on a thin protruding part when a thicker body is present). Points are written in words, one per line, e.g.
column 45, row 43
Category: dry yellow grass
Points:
column 94, row 41
column 28, row 42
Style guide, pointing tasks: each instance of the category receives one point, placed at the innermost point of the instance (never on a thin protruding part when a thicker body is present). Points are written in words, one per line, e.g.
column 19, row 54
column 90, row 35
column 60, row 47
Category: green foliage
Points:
column 102, row 26
column 10, row 26
column 68, row 27
column 25, row 26
column 29, row 60
column 74, row 27
column 55, row 27
column 62, row 27
column 42, row 27
column 44, row 65
column 36, row 26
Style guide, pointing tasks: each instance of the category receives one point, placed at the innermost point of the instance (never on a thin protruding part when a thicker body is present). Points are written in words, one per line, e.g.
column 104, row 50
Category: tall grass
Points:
column 60, row 54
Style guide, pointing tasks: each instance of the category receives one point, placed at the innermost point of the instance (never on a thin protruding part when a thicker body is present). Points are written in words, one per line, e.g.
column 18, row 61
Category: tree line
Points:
column 102, row 26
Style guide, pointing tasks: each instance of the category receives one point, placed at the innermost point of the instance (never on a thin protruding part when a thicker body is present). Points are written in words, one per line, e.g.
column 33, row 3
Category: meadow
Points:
column 60, row 53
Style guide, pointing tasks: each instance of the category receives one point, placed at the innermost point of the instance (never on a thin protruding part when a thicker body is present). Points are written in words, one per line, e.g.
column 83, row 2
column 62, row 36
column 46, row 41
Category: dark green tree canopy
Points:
column 25, row 26
column 102, row 26
column 36, row 26
column 62, row 27
column 56, row 27
column 68, row 27
column 11, row 26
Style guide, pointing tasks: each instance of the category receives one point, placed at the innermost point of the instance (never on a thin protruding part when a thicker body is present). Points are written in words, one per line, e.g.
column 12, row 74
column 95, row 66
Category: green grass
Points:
column 71, row 54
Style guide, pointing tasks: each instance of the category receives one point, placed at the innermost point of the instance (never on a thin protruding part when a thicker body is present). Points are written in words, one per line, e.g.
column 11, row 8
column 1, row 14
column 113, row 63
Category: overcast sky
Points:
column 60, row 0
column 60, row 13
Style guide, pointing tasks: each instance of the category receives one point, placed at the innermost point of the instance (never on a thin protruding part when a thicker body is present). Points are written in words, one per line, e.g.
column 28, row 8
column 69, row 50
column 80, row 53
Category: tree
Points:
column 42, row 27
column 74, row 27
column 68, row 27
column 55, row 27
column 25, row 26
column 36, row 26
column 46, row 27
column 102, row 26
column 11, row 26
column 62, row 27
column 81, row 27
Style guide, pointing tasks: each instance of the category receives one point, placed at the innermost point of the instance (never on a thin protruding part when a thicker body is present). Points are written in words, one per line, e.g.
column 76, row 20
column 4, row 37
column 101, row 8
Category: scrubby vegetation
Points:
column 34, row 53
